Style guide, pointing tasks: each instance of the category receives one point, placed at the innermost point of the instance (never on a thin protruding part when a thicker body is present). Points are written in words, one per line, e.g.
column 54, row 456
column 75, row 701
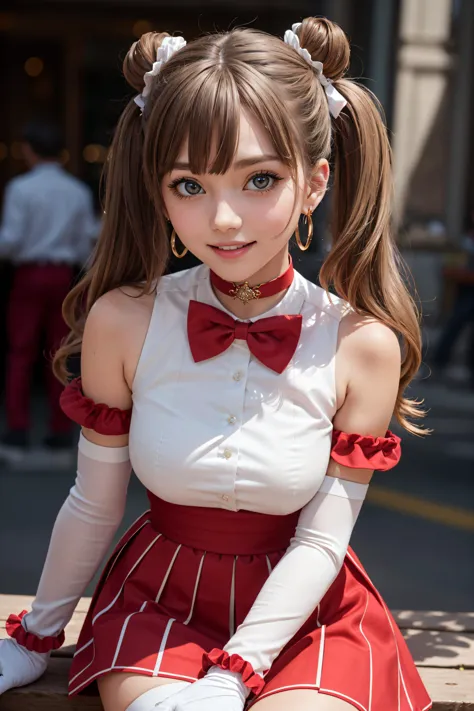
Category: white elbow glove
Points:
column 302, row 577
column 19, row 666
column 82, row 534
column 219, row 690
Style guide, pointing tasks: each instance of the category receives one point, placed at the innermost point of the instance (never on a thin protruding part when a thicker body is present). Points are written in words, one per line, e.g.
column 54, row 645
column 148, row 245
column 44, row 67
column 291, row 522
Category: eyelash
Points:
column 262, row 173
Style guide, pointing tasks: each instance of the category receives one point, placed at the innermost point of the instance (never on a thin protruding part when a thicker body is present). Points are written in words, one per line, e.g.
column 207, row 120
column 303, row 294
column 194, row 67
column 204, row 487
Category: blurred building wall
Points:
column 433, row 142
column 424, row 61
column 432, row 126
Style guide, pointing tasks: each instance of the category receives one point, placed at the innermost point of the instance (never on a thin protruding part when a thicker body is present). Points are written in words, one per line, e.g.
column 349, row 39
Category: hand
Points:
column 18, row 666
column 219, row 690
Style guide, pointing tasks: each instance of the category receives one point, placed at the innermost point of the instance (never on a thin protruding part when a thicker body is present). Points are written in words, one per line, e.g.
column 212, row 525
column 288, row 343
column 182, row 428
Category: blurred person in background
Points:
column 47, row 231
column 462, row 313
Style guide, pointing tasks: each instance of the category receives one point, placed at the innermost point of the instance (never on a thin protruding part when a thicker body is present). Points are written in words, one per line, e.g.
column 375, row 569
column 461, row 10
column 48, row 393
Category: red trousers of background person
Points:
column 35, row 318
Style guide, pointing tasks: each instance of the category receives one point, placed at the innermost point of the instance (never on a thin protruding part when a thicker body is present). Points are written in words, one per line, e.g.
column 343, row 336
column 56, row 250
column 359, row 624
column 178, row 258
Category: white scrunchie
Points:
column 336, row 100
column 168, row 47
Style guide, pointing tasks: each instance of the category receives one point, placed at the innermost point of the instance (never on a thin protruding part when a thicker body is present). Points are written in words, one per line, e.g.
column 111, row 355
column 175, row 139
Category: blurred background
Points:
column 61, row 62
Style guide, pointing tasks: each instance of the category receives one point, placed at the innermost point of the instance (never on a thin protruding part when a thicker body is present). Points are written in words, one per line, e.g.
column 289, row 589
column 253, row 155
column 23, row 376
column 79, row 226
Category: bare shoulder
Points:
column 368, row 363
column 114, row 334
column 369, row 341
column 368, row 356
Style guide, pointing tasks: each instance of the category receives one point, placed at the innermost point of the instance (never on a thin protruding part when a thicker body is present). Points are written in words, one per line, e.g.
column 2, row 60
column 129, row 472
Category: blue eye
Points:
column 187, row 188
column 262, row 182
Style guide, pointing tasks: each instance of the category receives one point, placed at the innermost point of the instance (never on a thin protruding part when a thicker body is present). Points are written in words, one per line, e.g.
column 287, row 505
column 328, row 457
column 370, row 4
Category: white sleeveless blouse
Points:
column 229, row 432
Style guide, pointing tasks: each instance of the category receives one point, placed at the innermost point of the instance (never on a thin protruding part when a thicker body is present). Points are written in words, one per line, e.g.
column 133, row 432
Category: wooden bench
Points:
column 442, row 645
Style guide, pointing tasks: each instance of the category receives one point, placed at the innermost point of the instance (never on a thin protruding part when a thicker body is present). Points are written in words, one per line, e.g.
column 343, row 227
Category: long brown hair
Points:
column 198, row 97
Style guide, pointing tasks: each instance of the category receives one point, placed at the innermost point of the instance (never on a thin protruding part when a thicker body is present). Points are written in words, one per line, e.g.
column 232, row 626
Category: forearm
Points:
column 275, row 616
column 76, row 549
column 81, row 536
column 300, row 580
column 13, row 223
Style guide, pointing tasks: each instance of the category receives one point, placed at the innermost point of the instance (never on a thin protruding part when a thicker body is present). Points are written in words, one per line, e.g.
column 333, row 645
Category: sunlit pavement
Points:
column 415, row 534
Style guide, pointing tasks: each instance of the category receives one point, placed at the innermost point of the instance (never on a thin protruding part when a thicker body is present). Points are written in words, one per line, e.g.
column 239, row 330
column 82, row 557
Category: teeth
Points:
column 232, row 248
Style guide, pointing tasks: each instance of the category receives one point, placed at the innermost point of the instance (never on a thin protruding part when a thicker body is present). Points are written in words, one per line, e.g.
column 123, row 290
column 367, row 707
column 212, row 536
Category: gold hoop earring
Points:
column 309, row 222
column 173, row 246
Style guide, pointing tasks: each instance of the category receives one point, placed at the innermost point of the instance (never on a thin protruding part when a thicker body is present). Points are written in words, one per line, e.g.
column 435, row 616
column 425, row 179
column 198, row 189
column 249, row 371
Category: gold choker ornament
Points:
column 246, row 293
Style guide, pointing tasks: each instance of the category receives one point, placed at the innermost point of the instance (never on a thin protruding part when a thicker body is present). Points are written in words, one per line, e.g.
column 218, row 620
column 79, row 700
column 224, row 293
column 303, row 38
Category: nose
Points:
column 225, row 218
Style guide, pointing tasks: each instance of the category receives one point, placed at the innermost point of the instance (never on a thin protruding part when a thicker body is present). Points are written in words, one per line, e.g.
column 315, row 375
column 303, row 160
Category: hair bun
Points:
column 140, row 58
column 327, row 43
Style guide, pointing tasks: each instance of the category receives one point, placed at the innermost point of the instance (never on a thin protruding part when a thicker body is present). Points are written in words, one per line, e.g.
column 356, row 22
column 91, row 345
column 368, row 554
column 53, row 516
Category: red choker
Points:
column 245, row 293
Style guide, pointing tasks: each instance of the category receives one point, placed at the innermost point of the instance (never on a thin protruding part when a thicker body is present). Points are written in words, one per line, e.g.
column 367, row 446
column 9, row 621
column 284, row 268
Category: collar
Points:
column 291, row 303
column 46, row 166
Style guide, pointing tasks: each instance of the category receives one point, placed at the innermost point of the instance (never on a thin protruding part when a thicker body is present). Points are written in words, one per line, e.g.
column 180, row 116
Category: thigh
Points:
column 57, row 288
column 302, row 700
column 118, row 689
column 26, row 312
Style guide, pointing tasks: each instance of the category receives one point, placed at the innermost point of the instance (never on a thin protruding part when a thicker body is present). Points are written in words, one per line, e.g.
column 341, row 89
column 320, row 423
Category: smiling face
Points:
column 239, row 222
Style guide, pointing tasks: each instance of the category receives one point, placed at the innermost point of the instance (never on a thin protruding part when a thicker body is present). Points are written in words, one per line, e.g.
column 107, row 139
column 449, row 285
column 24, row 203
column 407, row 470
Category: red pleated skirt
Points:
column 183, row 578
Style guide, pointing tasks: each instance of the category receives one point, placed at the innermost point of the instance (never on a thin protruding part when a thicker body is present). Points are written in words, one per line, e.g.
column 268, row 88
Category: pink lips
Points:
column 231, row 253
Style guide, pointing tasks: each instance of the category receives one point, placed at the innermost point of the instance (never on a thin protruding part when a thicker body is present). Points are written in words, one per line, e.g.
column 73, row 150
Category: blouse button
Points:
column 227, row 453
column 225, row 498
column 237, row 375
column 232, row 419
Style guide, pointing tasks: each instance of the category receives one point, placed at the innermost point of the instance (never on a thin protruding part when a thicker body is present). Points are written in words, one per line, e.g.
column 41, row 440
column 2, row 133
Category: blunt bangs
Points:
column 201, row 104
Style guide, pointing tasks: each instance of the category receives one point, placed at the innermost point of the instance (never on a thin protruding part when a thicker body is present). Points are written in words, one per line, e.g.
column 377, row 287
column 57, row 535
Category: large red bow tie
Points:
column 272, row 340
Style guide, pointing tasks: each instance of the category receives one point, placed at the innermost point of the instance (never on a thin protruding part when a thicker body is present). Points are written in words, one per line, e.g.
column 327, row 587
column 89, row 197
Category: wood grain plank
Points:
column 16, row 603
column 440, row 643
column 441, row 649
column 450, row 689
column 405, row 619
column 49, row 693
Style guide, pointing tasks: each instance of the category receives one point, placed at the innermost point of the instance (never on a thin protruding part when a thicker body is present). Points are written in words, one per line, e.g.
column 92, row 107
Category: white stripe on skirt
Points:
column 321, row 656
column 167, row 574
column 232, row 600
column 371, row 670
column 123, row 630
column 196, row 585
column 161, row 651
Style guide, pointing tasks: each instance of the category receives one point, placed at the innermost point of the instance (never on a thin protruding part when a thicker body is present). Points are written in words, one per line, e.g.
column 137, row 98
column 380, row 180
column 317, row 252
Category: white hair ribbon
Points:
column 336, row 101
column 168, row 47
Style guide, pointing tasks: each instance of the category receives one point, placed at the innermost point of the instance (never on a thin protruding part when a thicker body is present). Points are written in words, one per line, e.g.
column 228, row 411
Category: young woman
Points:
column 255, row 404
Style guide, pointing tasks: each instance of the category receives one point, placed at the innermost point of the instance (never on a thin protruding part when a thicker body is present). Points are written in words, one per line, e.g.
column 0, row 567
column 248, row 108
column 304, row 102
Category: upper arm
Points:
column 88, row 216
column 87, row 226
column 368, row 362
column 102, row 361
column 14, row 213
column 113, row 339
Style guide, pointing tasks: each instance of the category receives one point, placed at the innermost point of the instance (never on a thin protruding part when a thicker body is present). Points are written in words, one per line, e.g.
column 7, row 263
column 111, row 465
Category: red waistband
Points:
column 221, row 531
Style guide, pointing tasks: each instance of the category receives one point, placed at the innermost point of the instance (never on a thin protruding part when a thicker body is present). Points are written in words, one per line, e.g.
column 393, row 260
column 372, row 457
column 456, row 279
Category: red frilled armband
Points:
column 365, row 451
column 30, row 641
column 99, row 417
column 233, row 663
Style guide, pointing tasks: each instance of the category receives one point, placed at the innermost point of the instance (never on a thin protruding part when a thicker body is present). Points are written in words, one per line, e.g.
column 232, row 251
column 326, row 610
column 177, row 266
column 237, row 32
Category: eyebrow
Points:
column 243, row 163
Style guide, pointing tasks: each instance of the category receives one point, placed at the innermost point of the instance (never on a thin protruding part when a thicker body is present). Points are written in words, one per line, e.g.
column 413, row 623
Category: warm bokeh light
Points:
column 34, row 66
column 64, row 156
column 140, row 27
column 7, row 21
column 16, row 151
column 94, row 153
